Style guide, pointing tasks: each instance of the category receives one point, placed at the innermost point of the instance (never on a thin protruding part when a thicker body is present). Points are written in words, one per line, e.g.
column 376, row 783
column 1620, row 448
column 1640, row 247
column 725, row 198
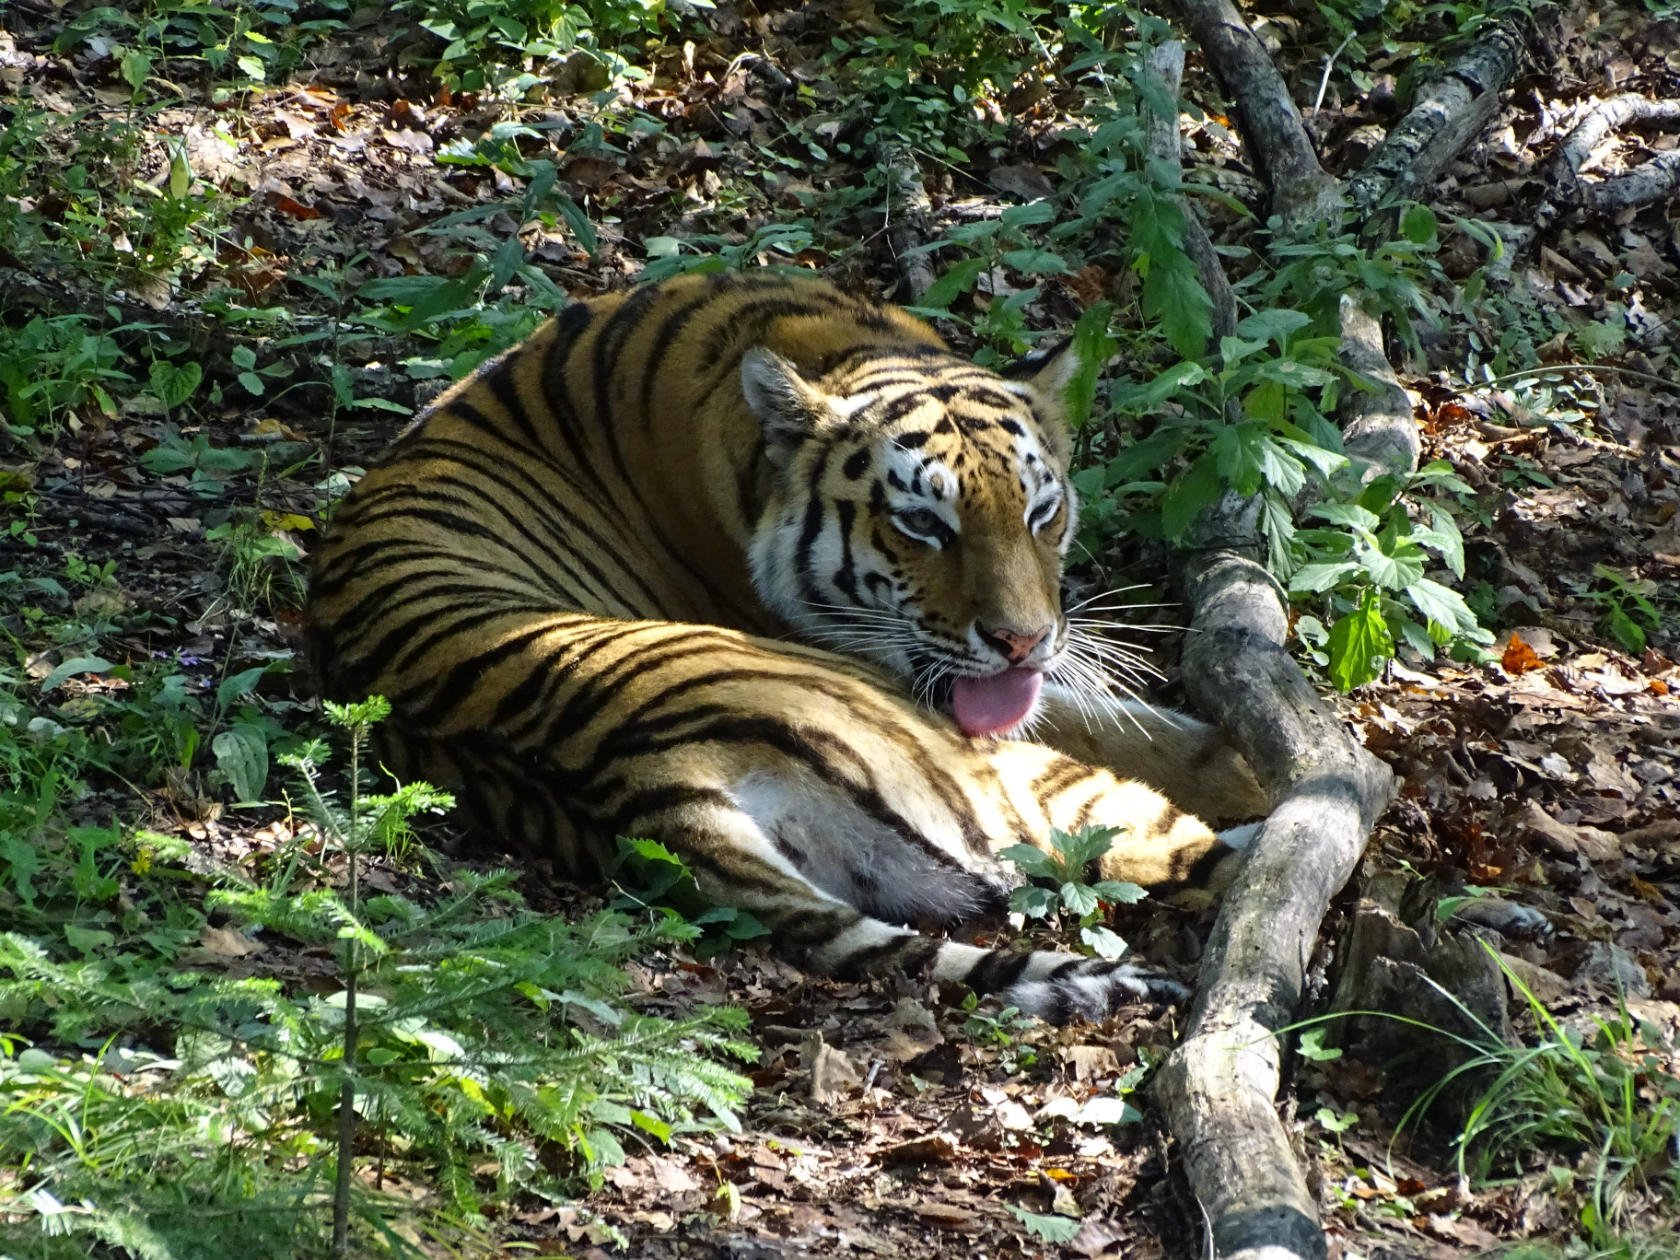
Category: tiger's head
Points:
column 917, row 513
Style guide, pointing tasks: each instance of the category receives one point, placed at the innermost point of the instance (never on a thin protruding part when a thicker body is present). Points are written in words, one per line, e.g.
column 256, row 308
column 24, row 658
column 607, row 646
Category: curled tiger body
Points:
column 766, row 573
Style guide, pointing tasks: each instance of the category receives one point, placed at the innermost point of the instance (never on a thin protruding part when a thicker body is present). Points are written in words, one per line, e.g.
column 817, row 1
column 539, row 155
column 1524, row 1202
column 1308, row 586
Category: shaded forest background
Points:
column 240, row 242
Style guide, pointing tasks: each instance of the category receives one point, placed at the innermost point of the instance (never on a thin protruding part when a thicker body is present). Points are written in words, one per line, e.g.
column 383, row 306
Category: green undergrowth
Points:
column 176, row 1057
column 1584, row 1110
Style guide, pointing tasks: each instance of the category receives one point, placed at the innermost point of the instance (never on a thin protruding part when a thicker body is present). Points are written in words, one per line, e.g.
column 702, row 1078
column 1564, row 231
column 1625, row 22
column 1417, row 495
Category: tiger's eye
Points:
column 920, row 523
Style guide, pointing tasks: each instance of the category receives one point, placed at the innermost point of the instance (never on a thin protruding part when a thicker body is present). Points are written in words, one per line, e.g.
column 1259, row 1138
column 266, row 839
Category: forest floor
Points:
column 1544, row 783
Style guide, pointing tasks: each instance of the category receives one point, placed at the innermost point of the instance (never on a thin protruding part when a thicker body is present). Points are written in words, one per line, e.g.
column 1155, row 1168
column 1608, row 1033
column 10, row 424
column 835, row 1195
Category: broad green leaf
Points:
column 174, row 383
column 1394, row 564
column 1236, row 453
column 1103, row 943
column 1080, row 899
column 1035, row 261
column 1052, row 1229
column 1093, row 346
column 1117, row 892
column 1233, row 350
column 1443, row 537
column 1360, row 644
column 1275, row 324
column 1317, row 578
column 242, row 755
column 1418, row 224
column 1188, row 495
column 180, row 174
column 1174, row 295
column 1033, row 861
column 1168, row 384
column 956, row 281
column 1349, row 514
column 75, row 665
column 1032, row 900
column 1028, row 215
column 1441, row 605
column 234, row 686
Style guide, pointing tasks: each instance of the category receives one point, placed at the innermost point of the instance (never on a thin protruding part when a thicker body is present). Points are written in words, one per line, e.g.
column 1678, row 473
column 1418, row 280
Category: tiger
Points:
column 767, row 573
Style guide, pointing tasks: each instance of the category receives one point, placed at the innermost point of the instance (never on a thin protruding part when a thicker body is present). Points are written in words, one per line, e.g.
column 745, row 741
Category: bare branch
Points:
column 1654, row 181
column 1271, row 126
column 1166, row 67
column 1379, row 425
column 908, row 214
column 1448, row 114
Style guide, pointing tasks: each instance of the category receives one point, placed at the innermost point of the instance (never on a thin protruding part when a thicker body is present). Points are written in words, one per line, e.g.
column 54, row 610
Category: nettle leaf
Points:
column 1325, row 460
column 1052, row 1229
column 1174, row 295
column 1236, row 453
column 1102, row 942
column 1442, row 605
column 1118, row 892
column 1360, row 644
column 1184, row 500
column 956, row 281
column 1080, row 899
column 1147, row 456
column 1349, row 514
column 1315, row 579
column 1275, row 324
column 1032, row 900
column 1233, row 350
column 1034, row 862
column 1293, row 375
column 1417, row 637
column 1394, row 563
column 1035, row 261
column 1280, row 470
column 1079, row 849
column 1443, row 537
column 1094, row 347
column 1169, row 384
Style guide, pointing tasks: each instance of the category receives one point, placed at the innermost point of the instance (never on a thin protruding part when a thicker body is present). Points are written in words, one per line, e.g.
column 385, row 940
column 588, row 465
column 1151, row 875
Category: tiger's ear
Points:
column 789, row 408
column 1049, row 371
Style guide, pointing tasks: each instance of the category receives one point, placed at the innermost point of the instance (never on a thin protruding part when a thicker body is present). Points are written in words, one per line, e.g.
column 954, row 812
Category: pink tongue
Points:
column 985, row 706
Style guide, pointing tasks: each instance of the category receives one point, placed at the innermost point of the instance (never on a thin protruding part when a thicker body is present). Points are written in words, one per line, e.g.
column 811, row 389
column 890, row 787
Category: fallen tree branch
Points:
column 1271, row 126
column 1656, row 180
column 1166, row 66
column 908, row 214
column 1218, row 1087
column 1377, row 426
column 1653, row 181
column 1448, row 113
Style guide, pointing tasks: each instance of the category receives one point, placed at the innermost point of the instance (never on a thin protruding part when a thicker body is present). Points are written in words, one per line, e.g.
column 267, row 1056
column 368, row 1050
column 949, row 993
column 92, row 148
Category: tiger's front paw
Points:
column 1091, row 989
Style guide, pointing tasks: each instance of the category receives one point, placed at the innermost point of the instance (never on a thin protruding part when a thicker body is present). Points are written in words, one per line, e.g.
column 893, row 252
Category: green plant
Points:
column 651, row 879
column 52, row 367
column 506, row 46
column 1000, row 1030
column 1626, row 608
column 1603, row 1095
column 1066, row 900
column 260, row 558
column 154, row 1106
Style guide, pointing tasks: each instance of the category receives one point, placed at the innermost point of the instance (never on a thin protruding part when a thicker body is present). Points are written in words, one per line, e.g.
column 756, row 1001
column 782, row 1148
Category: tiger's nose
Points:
column 1013, row 645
